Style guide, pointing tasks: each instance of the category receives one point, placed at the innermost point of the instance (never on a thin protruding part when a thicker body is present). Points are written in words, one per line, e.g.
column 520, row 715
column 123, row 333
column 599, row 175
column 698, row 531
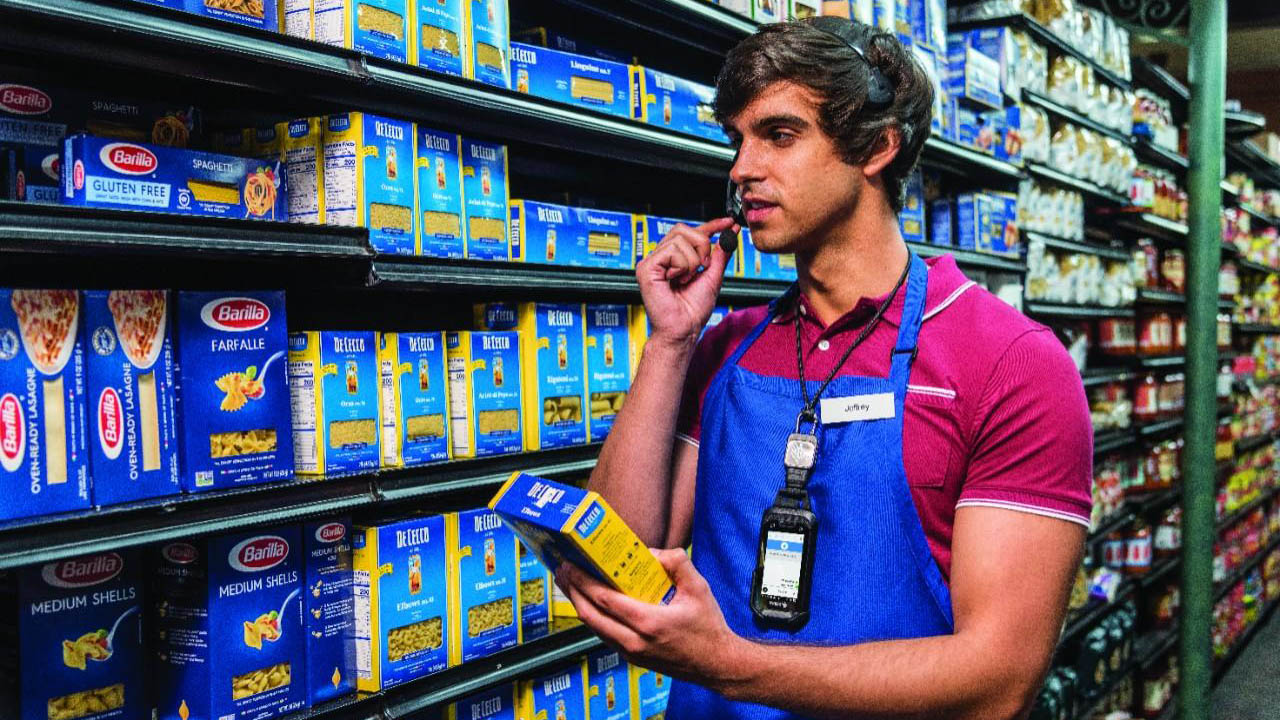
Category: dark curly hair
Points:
column 801, row 53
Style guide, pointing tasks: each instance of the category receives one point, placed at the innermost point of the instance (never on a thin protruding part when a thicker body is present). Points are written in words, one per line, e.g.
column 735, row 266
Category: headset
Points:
column 879, row 96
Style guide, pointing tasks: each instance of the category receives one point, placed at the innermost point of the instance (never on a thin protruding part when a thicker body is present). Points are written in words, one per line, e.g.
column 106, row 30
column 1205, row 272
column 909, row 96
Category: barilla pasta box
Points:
column 132, row 176
column 328, row 610
column 378, row 28
column 553, row 343
column 415, row 398
column 674, row 103
column 302, row 143
column 535, row 595
column 561, row 235
column 483, row 587
column 494, row 704
column 230, row 643
column 488, row 39
column 484, row 393
column 608, row 366
column 439, row 169
column 254, row 13
column 35, row 116
column 608, row 686
column 557, row 695
column 368, row 179
column 44, row 453
column 638, row 333
column 401, row 608
column 572, row 79
column 565, row 523
column 80, row 649
column 133, row 448
column 233, row 402
column 484, row 193
column 297, row 18
column 334, row 385
column 438, row 28
column 649, row 691
column 267, row 145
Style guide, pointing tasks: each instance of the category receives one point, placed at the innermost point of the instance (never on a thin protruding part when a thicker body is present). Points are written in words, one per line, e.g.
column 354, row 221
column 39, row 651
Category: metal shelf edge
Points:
column 1077, row 246
column 1072, row 115
column 1083, row 186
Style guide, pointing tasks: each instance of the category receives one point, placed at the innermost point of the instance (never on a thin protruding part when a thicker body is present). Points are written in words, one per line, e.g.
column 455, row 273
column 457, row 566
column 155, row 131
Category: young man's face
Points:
column 796, row 188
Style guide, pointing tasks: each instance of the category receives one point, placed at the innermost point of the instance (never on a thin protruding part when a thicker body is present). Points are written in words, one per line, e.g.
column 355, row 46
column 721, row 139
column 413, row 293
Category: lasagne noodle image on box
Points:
column 328, row 610
column 572, row 79
column 608, row 686
column 488, row 36
column 334, row 385
column 484, row 193
column 495, row 704
column 415, row 398
column 484, row 393
column 368, row 179
column 558, row 695
column 608, row 366
column 44, row 455
column 439, row 27
column 483, row 590
column 379, row 28
column 440, row 194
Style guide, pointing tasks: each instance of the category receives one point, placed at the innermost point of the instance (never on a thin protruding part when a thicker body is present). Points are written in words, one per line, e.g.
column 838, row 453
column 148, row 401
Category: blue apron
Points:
column 874, row 577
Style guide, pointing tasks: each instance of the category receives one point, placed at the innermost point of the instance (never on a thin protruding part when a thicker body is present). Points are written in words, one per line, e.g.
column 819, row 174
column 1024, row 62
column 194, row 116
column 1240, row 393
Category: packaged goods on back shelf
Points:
column 484, row 393
column 1078, row 278
column 1074, row 84
column 941, row 223
column 296, row 18
column 1035, row 131
column 671, row 102
column 972, row 74
column 303, row 164
column 44, row 454
column 560, row 694
column 484, row 192
column 498, row 703
column 608, row 686
column 131, row 389
column 439, row 170
column 368, row 179
column 556, row 40
column 329, row 610
column 401, row 572
column 228, row 615
column 379, row 28
column 535, row 595
column 334, row 383
column 1153, row 119
column 254, row 13
column 488, row 40
column 266, row 144
column 911, row 217
column 573, row 79
column 987, row 221
column 484, row 592
column 233, row 407
column 608, row 366
column 561, row 235
column 754, row 263
column 415, row 398
column 1094, row 33
column 649, row 691
column 1156, row 191
column 936, row 70
column 1087, row 155
column 995, row 132
column 438, row 35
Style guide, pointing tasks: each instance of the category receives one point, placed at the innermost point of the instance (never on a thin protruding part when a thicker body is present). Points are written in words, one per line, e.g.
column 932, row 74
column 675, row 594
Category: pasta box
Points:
column 233, row 402
column 555, row 39
column 608, row 366
column 535, row 595
column 334, row 384
column 378, row 28
column 483, row 589
column 485, row 396
column 125, row 175
column 608, row 686
column 367, row 182
column 649, row 691
column 415, row 398
column 675, row 103
column 494, row 704
column 488, row 38
column 132, row 399
column 561, row 235
column 484, row 193
column 439, row 169
column 44, row 454
column 303, row 155
column 230, row 642
column 328, row 610
column 564, row 77
column 35, row 116
column 639, row 334
column 911, row 217
column 296, row 18
column 755, row 263
column 560, row 694
column 254, row 13
column 972, row 75
column 439, row 32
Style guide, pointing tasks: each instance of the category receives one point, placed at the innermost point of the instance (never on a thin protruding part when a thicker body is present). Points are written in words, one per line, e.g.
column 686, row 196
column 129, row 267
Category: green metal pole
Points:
column 1207, row 74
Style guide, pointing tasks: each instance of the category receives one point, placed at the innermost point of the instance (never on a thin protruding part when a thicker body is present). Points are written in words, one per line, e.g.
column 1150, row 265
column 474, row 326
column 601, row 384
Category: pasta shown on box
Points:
column 415, row 398
column 254, row 13
column 608, row 686
column 334, row 384
column 439, row 169
column 439, row 30
column 328, row 604
column 483, row 588
column 303, row 157
column 535, row 595
column 379, row 28
column 484, row 393
column 561, row 235
column 494, row 704
column 608, row 366
column 484, row 193
column 560, row 694
column 368, row 179
column 488, row 38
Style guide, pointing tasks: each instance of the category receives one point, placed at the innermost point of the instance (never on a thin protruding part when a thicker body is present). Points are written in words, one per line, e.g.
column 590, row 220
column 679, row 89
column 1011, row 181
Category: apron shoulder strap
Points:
column 906, row 346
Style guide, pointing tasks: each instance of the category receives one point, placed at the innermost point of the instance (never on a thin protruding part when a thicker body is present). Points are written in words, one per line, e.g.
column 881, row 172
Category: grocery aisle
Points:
column 1248, row 690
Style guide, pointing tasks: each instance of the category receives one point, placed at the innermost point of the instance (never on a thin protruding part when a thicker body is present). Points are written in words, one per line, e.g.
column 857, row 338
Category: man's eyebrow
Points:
column 772, row 121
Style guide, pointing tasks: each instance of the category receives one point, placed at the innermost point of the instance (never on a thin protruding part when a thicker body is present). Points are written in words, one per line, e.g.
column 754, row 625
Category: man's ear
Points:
column 886, row 151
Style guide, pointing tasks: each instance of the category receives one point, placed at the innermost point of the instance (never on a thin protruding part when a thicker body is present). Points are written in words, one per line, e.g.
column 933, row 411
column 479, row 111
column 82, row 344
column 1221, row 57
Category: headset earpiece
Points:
column 879, row 89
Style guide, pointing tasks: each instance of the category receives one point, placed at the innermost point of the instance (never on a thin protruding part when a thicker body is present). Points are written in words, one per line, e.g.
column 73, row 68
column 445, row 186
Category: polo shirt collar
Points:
column 945, row 278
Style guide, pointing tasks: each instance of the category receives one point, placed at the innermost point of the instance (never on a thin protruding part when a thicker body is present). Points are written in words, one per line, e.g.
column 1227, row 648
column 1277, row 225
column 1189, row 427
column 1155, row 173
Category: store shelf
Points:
column 1247, row 155
column 1119, row 520
column 1048, row 309
column 1243, row 123
column 965, row 161
column 1043, row 35
column 1229, row 249
column 1149, row 224
column 1111, row 253
column 1162, row 361
column 1153, row 502
column 1221, row 667
column 971, row 258
column 1249, row 444
column 1161, row 81
column 1243, row 511
column 1102, row 376
column 1260, row 216
column 1257, row 328
column 1164, row 297
column 1159, row 572
column 1096, row 610
column 1160, row 427
column 1221, row 589
column 1255, row 267
column 1159, row 647
column 1084, row 187
column 1112, row 441
column 1062, row 112
column 1150, row 152
column 1232, row 192
column 1146, row 649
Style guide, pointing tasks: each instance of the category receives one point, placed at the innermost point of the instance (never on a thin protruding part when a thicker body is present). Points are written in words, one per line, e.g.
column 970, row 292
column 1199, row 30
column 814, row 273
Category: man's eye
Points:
column 781, row 137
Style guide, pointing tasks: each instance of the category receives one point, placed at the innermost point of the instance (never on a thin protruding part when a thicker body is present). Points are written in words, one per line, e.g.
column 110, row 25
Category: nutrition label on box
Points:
column 458, row 406
column 302, row 398
column 340, row 183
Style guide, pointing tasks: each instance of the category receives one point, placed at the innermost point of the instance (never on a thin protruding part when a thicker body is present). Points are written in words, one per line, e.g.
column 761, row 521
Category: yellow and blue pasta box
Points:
column 227, row 612
column 553, row 345
column 440, row 36
column 563, row 614
column 484, row 193
column 254, row 13
column 79, row 650
column 497, row 703
column 756, row 264
column 650, row 229
column 535, row 595
column 233, row 396
column 439, row 169
column 401, row 601
column 335, row 384
column 674, row 103
column 268, row 146
column 608, row 686
column 378, row 28
column 368, row 179
column 328, row 604
column 561, row 235
column 483, row 588
column 557, row 695
column 649, row 693
column 297, row 18
column 564, row 77
column 303, row 161
column 484, row 393
column 608, row 366
column 639, row 335
column 415, row 398
column 565, row 523
column 488, row 42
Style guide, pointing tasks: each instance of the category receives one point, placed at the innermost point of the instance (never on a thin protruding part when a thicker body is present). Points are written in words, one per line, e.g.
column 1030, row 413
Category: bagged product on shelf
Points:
column 367, row 182
column 608, row 366
column 334, row 384
column 378, row 28
column 79, row 652
column 488, row 40
column 484, row 590
column 484, row 194
column 498, row 703
column 303, row 156
column 561, row 235
column 44, row 452
column 560, row 694
column 415, row 398
column 328, row 604
column 572, row 79
column 553, row 346
column 911, row 217
column 439, row 170
column 233, row 397
column 535, row 594
column 484, row 393
column 649, row 691
column 297, row 18
column 131, row 390
column 608, row 686
column 671, row 102
column 972, row 75
column 230, row 641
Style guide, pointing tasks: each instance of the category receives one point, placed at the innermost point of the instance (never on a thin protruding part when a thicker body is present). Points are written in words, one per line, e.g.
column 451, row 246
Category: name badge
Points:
column 855, row 408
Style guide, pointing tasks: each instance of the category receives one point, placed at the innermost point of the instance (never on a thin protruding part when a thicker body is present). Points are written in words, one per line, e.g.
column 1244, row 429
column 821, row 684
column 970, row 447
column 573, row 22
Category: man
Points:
column 953, row 455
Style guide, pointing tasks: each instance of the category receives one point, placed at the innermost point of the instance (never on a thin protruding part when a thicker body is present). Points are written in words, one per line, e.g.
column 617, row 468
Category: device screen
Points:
column 782, row 561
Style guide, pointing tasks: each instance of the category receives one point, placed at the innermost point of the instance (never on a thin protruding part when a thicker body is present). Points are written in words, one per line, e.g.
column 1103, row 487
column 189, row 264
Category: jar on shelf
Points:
column 1146, row 264
column 1138, row 548
column 1168, row 538
column 1155, row 334
column 1146, row 401
column 1173, row 270
column 1180, row 333
column 1170, row 398
column 1116, row 336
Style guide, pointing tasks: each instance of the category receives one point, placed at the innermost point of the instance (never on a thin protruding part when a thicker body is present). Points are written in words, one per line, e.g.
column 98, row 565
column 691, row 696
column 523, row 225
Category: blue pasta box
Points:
column 488, row 39
column 971, row 129
column 535, row 595
column 267, row 145
column 297, row 18
column 230, row 642
column 378, row 28
column 561, row 235
column 233, row 398
column 911, row 217
column 438, row 29
column 484, row 193
column 675, row 103
column 415, row 398
column 928, row 60
column 328, row 606
column 401, row 577
column 999, row 43
column 483, row 586
column 80, row 651
column 35, row 116
column 335, row 385
column 556, row 40
column 971, row 74
column 254, row 13
column 979, row 221
column 929, row 24
column 131, row 389
column 1006, row 126
column 484, row 393
column 608, row 366
column 302, row 153
column 610, row 241
column 497, row 703
column 366, row 181
column 649, row 691
column 560, row 694
column 751, row 262
column 940, row 222
column 608, row 686
column 1009, row 241
column 638, row 333
column 439, row 169
column 650, row 229
column 44, row 453
column 572, row 79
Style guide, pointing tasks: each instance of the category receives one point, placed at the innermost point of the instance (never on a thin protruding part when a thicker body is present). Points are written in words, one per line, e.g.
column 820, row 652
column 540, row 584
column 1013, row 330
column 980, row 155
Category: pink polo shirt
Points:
column 995, row 415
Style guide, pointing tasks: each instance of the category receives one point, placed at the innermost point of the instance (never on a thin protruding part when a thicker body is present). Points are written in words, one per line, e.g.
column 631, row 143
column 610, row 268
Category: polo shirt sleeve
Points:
column 1032, row 448
column 708, row 356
